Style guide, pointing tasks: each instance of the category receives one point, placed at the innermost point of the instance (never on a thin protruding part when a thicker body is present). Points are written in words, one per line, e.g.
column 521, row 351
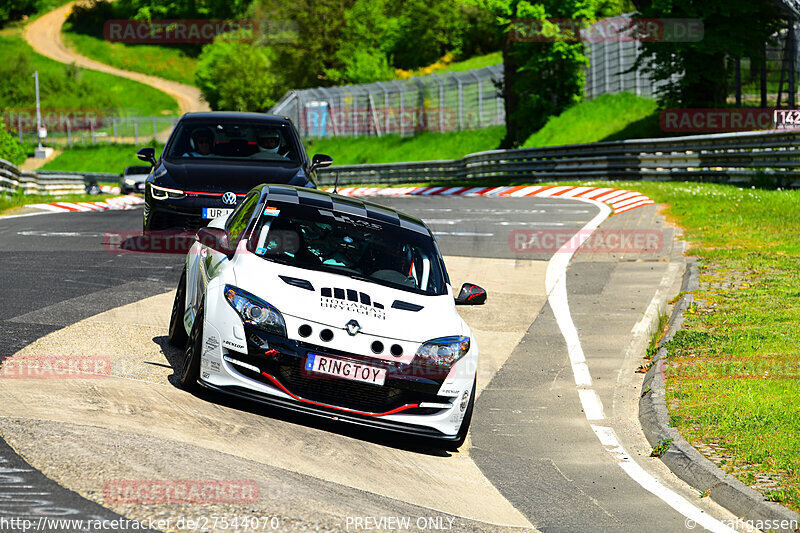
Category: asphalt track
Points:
column 532, row 461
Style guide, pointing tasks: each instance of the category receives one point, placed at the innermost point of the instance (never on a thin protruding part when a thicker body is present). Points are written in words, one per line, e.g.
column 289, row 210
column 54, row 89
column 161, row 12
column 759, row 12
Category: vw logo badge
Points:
column 352, row 327
column 229, row 198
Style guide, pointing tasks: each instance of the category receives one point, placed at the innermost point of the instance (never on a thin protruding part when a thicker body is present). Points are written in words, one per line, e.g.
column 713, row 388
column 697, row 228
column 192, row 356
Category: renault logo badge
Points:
column 352, row 328
column 229, row 198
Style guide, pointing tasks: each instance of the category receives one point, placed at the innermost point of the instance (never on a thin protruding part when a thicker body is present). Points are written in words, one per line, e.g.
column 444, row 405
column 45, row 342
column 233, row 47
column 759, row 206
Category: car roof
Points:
column 234, row 115
column 343, row 205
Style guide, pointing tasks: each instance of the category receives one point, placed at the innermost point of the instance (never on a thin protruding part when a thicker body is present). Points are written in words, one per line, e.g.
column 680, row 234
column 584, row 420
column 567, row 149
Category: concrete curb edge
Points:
column 681, row 457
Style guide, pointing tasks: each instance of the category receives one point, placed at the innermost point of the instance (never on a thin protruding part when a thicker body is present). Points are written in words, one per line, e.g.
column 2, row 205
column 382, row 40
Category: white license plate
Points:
column 214, row 212
column 329, row 366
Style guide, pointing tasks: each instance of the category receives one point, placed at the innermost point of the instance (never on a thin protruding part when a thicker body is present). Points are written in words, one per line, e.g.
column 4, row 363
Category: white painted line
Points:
column 556, row 287
column 592, row 406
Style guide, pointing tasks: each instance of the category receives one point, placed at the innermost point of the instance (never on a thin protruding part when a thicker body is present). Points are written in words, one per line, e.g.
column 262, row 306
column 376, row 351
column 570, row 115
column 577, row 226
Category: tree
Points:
column 237, row 76
column 11, row 10
column 540, row 78
column 696, row 73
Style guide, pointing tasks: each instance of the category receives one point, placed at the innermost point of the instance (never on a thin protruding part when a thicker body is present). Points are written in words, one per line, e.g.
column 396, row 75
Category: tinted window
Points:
column 350, row 245
column 265, row 142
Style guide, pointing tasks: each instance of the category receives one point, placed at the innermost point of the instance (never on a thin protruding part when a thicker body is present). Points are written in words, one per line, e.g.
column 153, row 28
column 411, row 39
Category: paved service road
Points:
column 533, row 461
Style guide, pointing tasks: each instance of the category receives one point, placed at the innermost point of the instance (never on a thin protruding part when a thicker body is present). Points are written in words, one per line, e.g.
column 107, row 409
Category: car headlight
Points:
column 129, row 181
column 162, row 193
column 254, row 311
column 444, row 351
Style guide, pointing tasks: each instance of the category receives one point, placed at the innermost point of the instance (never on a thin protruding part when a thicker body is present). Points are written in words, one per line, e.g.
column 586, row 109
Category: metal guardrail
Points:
column 12, row 180
column 728, row 157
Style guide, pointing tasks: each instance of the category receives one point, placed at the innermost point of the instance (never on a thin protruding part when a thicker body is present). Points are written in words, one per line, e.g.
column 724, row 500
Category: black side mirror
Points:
column 471, row 295
column 320, row 161
column 216, row 239
column 148, row 155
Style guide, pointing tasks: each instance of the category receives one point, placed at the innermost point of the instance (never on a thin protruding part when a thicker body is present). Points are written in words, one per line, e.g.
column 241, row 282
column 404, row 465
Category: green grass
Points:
column 733, row 370
column 107, row 158
column 166, row 62
column 609, row 117
column 64, row 87
column 394, row 148
column 12, row 202
column 495, row 58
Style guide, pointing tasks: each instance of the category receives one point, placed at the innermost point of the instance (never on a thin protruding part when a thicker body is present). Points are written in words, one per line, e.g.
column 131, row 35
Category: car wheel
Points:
column 464, row 429
column 191, row 360
column 177, row 331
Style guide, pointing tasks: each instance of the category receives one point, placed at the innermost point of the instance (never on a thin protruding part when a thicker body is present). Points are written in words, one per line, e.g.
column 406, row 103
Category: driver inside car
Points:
column 202, row 143
column 269, row 145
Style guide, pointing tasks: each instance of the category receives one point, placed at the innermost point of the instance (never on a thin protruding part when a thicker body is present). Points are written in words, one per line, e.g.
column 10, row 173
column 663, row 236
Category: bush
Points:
column 11, row 10
column 10, row 149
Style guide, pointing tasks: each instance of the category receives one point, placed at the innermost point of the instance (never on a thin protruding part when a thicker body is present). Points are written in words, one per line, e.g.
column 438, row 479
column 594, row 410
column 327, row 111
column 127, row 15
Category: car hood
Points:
column 436, row 317
column 222, row 176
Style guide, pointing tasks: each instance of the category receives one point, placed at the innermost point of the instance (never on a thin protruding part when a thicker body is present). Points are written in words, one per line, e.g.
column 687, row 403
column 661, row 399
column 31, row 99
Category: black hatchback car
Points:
column 212, row 160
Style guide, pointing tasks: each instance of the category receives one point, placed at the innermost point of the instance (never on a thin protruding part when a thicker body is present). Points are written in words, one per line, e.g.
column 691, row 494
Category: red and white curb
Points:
column 620, row 200
column 120, row 202
column 110, row 189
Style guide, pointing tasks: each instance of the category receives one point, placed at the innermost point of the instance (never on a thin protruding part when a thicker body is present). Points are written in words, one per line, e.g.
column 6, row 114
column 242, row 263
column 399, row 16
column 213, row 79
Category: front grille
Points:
column 343, row 393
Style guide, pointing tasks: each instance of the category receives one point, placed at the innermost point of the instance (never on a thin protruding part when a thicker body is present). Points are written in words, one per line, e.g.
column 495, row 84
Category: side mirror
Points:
column 148, row 155
column 216, row 239
column 471, row 295
column 320, row 161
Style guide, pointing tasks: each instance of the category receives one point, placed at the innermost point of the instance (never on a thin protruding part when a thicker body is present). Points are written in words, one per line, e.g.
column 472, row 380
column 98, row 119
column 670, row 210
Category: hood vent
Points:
column 406, row 306
column 297, row 282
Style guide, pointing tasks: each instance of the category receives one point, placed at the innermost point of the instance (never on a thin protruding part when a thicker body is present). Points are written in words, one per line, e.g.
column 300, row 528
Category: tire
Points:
column 461, row 436
column 177, row 331
column 191, row 360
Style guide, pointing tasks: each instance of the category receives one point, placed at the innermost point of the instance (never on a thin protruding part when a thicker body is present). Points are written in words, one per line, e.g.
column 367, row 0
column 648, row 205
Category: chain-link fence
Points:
column 438, row 102
column 68, row 128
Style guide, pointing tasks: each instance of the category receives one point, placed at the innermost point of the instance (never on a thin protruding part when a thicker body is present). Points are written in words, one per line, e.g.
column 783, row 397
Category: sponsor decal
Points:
column 352, row 221
column 206, row 375
column 270, row 211
column 226, row 342
column 352, row 307
column 212, row 343
column 214, row 366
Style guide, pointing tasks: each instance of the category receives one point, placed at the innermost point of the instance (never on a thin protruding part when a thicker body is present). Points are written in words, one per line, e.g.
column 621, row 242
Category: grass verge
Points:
column 610, row 117
column 170, row 63
column 66, row 87
column 394, row 148
column 733, row 370
column 9, row 203
column 106, row 158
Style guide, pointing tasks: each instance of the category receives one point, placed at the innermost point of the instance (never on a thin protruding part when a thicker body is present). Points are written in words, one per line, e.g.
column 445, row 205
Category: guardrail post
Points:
column 636, row 48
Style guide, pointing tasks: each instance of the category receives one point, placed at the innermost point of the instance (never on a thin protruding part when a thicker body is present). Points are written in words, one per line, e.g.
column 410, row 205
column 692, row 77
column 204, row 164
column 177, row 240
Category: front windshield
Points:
column 350, row 245
column 234, row 140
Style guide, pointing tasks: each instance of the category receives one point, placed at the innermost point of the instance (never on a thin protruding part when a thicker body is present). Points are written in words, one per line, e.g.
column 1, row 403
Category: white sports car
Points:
column 331, row 306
